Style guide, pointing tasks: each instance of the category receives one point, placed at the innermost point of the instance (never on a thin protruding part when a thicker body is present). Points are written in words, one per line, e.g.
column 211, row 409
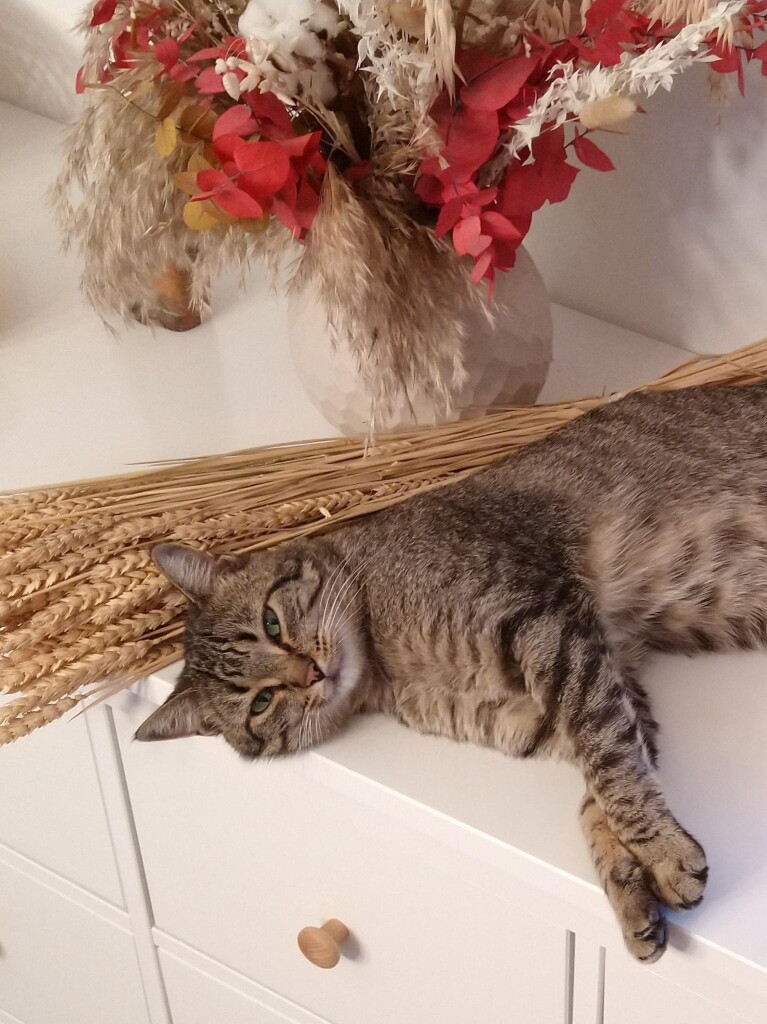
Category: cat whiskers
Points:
column 329, row 621
column 328, row 592
column 337, row 620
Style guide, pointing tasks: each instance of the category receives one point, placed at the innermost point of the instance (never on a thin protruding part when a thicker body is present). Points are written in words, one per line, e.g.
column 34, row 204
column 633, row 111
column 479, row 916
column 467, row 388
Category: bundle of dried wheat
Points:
column 81, row 603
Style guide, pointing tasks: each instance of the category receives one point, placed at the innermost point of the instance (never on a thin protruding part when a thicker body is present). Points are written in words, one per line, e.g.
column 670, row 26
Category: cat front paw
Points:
column 680, row 872
column 639, row 913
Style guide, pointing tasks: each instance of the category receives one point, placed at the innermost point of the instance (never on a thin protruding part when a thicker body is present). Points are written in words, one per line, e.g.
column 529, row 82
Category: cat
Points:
column 511, row 609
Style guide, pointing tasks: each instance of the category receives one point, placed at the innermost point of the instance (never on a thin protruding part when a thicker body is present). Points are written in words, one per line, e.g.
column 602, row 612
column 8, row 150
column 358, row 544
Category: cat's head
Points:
column 274, row 648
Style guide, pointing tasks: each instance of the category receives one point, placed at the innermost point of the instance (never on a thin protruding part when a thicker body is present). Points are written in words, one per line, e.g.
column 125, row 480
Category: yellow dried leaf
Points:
column 171, row 99
column 165, row 137
column 197, row 162
column 187, row 182
column 253, row 225
column 198, row 218
column 197, row 121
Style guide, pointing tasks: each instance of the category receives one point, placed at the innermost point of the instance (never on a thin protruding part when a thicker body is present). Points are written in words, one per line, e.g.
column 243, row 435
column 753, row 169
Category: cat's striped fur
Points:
column 513, row 610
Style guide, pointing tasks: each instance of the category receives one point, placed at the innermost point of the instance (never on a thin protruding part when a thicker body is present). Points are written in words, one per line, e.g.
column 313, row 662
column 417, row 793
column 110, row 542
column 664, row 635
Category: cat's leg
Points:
column 570, row 665
column 626, row 884
column 607, row 738
column 630, row 656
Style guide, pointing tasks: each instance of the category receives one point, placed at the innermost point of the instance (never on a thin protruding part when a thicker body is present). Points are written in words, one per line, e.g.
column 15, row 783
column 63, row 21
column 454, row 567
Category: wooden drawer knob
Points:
column 320, row 945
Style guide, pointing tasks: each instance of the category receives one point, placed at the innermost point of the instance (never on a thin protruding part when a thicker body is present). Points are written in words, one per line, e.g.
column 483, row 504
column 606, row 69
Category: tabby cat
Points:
column 511, row 609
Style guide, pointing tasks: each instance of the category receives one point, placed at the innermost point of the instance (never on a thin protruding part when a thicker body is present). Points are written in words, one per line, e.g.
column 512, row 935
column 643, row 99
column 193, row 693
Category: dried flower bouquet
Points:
column 397, row 150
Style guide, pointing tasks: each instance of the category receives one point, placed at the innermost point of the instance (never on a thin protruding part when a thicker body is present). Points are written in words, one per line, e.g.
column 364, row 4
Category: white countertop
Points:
column 76, row 401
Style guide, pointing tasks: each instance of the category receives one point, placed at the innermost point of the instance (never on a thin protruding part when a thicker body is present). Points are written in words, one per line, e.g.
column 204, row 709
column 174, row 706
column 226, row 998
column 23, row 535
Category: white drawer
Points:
column 691, row 985
column 62, row 963
column 239, row 857
column 197, row 996
column 51, row 809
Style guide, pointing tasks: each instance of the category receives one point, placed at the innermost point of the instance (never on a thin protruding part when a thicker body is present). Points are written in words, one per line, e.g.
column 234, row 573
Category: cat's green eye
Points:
column 271, row 623
column 261, row 702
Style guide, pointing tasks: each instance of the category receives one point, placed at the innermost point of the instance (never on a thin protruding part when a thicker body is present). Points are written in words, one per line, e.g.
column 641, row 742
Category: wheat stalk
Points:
column 84, row 610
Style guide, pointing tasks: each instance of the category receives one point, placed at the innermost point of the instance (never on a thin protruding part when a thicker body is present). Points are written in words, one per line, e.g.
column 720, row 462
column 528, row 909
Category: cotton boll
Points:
column 324, row 19
column 284, row 46
column 307, row 45
column 254, row 21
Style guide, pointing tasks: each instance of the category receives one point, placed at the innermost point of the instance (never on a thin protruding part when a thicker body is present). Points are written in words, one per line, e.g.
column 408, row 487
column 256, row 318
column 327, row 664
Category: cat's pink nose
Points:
column 314, row 674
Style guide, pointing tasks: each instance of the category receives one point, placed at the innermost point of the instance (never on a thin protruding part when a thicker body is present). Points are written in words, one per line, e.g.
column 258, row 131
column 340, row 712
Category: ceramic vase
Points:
column 506, row 361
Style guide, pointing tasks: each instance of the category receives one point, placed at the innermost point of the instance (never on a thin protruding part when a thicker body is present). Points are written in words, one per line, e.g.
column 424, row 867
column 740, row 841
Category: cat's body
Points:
column 512, row 609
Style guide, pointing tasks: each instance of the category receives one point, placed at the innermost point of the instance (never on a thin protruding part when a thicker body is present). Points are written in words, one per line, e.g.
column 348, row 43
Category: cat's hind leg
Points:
column 626, row 884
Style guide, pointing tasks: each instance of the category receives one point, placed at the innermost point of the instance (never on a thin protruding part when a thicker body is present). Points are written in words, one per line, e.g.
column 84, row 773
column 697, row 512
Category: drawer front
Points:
column 60, row 963
column 196, row 997
column 691, row 984
column 240, row 857
column 51, row 809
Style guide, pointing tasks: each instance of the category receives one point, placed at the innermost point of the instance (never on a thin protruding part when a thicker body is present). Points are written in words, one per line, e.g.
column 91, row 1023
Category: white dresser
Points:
column 168, row 882
column 150, row 884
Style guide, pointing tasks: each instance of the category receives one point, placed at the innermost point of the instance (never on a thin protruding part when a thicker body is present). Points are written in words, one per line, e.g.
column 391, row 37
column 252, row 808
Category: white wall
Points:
column 40, row 55
column 671, row 244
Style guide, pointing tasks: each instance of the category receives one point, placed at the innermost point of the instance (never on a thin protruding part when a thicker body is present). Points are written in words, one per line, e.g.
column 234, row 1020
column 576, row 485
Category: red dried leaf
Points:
column 210, row 179
column 475, row 61
column 497, row 87
column 272, row 118
column 182, row 72
column 166, row 51
column 429, row 188
column 296, row 206
column 232, row 200
column 209, row 81
column 519, row 106
column 235, row 121
column 471, row 138
column 500, row 227
column 729, row 61
column 482, row 267
column 591, row 155
column 103, row 11
column 265, row 167
column 468, row 237
column 523, row 191
column 307, row 204
column 549, row 145
column 224, row 147
column 600, row 13
column 304, row 153
column 558, row 179
column 449, row 216
column 210, row 53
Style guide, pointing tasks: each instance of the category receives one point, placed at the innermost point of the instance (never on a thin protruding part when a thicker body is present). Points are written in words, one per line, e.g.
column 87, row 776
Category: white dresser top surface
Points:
column 78, row 401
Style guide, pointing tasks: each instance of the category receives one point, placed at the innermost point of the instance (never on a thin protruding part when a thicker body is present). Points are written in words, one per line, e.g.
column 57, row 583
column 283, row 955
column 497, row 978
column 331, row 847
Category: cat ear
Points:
column 178, row 717
column 189, row 569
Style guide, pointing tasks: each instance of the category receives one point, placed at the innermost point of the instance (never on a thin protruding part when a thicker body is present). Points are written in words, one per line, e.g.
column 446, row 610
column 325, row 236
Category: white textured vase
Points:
column 506, row 362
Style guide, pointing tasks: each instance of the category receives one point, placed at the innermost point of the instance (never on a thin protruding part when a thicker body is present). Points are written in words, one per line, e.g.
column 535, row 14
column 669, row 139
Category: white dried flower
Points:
column 639, row 74
column 286, row 50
